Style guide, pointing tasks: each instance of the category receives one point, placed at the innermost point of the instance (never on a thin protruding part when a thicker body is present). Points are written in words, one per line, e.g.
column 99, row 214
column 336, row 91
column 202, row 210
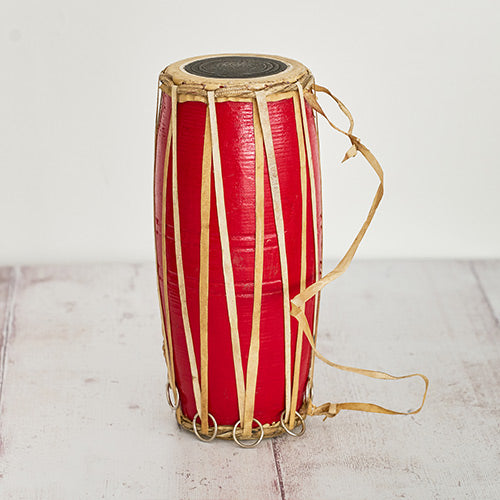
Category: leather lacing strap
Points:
column 253, row 353
column 299, row 301
column 179, row 260
column 303, row 249
column 280, row 232
column 161, row 254
column 227, row 265
column 204, row 271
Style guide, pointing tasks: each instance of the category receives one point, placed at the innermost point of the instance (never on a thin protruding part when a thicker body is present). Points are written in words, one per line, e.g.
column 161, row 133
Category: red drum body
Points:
column 196, row 300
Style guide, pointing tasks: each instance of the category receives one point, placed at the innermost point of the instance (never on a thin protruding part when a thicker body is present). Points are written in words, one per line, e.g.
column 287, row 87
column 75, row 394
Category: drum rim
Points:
column 176, row 74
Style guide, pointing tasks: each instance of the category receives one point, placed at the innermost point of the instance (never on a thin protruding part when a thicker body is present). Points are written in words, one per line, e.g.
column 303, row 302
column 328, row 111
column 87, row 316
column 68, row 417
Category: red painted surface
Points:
column 237, row 148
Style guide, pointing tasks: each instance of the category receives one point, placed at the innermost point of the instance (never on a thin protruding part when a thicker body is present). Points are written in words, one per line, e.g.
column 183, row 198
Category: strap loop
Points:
column 299, row 301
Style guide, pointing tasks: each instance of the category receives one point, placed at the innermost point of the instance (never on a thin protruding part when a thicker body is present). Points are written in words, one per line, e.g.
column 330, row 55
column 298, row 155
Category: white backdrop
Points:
column 77, row 98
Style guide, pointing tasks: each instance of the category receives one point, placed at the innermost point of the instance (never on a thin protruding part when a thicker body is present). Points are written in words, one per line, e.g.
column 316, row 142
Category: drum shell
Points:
column 236, row 131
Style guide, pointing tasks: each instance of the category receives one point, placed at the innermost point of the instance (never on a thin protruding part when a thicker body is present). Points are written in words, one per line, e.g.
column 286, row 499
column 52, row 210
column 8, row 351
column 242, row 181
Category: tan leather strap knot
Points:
column 327, row 410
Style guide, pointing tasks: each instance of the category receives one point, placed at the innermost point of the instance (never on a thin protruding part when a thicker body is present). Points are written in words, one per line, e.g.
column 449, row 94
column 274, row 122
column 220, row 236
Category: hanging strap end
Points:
column 351, row 153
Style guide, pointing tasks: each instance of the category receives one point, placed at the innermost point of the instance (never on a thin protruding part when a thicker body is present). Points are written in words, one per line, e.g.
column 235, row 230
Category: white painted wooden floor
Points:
column 83, row 412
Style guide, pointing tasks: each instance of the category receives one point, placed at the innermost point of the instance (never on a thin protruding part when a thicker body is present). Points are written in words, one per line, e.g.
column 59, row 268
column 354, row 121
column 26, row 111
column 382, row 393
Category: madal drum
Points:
column 238, row 234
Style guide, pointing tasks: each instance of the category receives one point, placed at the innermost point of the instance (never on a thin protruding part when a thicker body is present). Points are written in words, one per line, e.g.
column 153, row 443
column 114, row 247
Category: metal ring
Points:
column 254, row 443
column 309, row 392
column 289, row 431
column 175, row 403
column 198, row 435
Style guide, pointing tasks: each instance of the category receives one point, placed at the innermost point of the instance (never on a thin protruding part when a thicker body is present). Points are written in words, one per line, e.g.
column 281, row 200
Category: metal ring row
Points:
column 241, row 443
column 257, row 440
column 173, row 401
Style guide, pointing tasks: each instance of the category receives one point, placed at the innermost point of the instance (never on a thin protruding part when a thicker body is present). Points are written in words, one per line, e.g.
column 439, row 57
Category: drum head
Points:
column 234, row 72
column 236, row 67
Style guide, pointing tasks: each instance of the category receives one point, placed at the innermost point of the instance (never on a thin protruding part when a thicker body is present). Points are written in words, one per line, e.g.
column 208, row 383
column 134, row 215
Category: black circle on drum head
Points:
column 235, row 67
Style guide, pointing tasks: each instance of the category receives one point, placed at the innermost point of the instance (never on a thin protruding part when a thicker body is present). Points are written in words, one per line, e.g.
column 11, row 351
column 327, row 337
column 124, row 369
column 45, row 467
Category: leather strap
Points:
column 299, row 301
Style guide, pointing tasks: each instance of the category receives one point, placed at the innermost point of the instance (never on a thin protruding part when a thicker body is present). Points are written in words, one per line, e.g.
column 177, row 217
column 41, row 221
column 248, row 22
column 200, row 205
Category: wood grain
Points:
column 84, row 412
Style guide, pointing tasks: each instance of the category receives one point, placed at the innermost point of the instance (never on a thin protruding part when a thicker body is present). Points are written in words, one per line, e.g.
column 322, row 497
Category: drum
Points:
column 238, row 235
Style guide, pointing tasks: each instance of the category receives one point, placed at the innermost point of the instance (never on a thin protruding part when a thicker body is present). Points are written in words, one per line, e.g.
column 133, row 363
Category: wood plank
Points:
column 488, row 275
column 403, row 317
column 84, row 413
